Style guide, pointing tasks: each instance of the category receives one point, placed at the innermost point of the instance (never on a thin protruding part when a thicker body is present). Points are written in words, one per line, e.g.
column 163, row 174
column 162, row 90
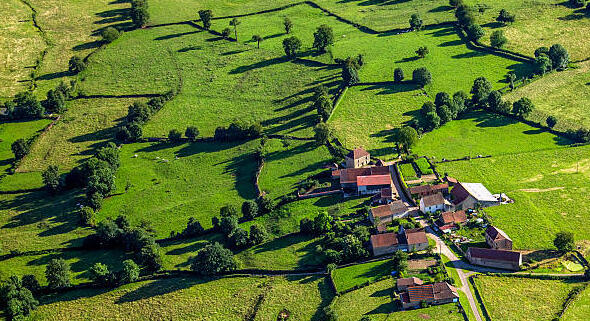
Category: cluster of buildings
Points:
column 407, row 240
column 358, row 178
column 462, row 196
column 499, row 255
column 414, row 293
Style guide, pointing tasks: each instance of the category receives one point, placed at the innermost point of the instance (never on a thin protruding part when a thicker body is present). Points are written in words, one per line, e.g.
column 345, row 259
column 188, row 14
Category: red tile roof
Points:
column 430, row 292
column 349, row 175
column 434, row 199
column 496, row 234
column 416, row 236
column 384, row 240
column 491, row 254
column 409, row 281
column 373, row 180
column 357, row 153
column 453, row 217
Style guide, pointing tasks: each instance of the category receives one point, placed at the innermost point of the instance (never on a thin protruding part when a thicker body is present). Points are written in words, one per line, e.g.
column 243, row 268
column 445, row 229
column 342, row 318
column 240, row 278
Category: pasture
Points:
column 12, row 131
column 191, row 298
column 511, row 298
column 579, row 309
column 549, row 189
column 481, row 133
column 348, row 277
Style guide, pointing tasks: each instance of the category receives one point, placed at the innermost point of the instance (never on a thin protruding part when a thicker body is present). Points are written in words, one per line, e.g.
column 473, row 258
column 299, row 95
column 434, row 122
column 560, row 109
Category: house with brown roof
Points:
column 497, row 239
column 472, row 195
column 433, row 203
column 406, row 240
column 451, row 220
column 402, row 284
column 385, row 197
column 373, row 184
column 425, row 190
column 349, row 179
column 501, row 259
column 358, row 157
column 386, row 213
column 433, row 294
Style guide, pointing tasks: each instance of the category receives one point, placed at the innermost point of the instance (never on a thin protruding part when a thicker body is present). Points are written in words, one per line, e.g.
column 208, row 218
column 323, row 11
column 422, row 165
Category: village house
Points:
column 357, row 158
column 501, row 259
column 433, row 203
column 425, row 190
column 385, row 197
column 433, row 294
column 449, row 221
column 472, row 195
column 406, row 240
column 497, row 239
column 349, row 179
column 402, row 284
column 386, row 213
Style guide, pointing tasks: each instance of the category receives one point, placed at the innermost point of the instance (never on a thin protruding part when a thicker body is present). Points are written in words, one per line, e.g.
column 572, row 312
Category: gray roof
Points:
column 479, row 191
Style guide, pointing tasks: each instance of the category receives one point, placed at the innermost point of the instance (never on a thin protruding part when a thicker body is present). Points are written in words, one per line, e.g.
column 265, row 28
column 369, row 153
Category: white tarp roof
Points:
column 479, row 191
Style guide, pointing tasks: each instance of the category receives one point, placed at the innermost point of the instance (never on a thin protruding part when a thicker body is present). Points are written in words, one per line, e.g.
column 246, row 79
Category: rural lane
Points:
column 459, row 265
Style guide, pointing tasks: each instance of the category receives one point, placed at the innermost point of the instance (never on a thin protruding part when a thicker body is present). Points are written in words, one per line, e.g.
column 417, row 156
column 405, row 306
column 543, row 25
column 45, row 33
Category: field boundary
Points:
column 479, row 298
column 571, row 297
column 46, row 39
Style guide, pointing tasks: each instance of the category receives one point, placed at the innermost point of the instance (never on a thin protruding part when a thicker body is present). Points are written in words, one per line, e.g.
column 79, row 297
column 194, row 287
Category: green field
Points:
column 285, row 166
column 509, row 298
column 11, row 131
column 579, row 309
column 549, row 189
column 408, row 172
column 193, row 298
column 377, row 304
column 560, row 94
column 176, row 179
column 351, row 276
column 423, row 166
column 480, row 133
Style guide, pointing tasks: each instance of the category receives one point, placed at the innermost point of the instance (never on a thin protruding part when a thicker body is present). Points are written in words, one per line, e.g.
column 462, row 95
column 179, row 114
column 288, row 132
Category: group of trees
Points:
column 25, row 105
column 137, row 115
column 486, row 98
column 444, row 109
column 322, row 102
column 350, row 69
column 556, row 57
column 138, row 239
column 238, row 130
column 139, row 13
column 236, row 236
column 17, row 296
column 420, row 76
column 213, row 259
column 102, row 276
column 341, row 242
column 466, row 18
column 323, row 37
column 191, row 132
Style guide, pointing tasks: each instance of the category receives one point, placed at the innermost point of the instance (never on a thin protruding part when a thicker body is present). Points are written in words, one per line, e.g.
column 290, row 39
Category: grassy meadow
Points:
column 549, row 189
column 191, row 298
column 579, row 309
column 378, row 304
column 481, row 133
column 12, row 131
column 348, row 277
column 509, row 298
column 564, row 95
column 179, row 181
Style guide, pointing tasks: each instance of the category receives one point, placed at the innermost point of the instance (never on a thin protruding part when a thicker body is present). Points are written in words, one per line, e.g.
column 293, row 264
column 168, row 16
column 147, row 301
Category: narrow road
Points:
column 398, row 188
column 459, row 265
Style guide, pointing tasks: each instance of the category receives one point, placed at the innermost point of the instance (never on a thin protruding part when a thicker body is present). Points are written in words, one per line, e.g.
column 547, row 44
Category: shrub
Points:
column 551, row 121
column 20, row 148
column 150, row 257
column 257, row 234
column 55, row 102
column 191, row 133
column 416, row 22
column 249, row 209
column 497, row 39
column 228, row 224
column 559, row 56
column 100, row 274
column 57, row 274
column 522, row 107
column 422, row 51
column 480, row 90
column 206, row 16
column 238, row 238
column 564, row 241
column 422, row 76
column 505, row 17
column 129, row 273
column 398, row 75
column 291, row 46
column 475, row 32
column 322, row 133
column 542, row 64
column 174, row 135
column 225, row 33
column 76, row 65
column 110, row 34
column 86, row 215
column 139, row 13
column 52, row 179
column 213, row 259
column 288, row 24
column 323, row 37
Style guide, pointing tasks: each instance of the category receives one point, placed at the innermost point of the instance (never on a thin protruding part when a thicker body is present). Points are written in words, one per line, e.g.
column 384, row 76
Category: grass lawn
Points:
column 21, row 45
column 12, row 131
column 349, row 277
column 85, row 126
column 284, row 253
column 80, row 262
column 549, row 189
column 179, row 181
column 37, row 221
column 423, row 166
column 285, row 166
column 408, row 172
column 579, row 309
column 190, row 298
column 377, row 304
column 560, row 94
column 481, row 133
column 508, row 298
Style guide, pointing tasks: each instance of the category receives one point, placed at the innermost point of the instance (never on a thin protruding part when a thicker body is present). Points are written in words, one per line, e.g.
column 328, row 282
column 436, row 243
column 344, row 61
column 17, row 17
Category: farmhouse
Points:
column 402, row 284
column 406, row 240
column 425, row 190
column 385, row 197
column 386, row 213
column 349, row 179
column 358, row 157
column 501, row 259
column 433, row 203
column 436, row 293
column 471, row 195
column 451, row 220
column 497, row 239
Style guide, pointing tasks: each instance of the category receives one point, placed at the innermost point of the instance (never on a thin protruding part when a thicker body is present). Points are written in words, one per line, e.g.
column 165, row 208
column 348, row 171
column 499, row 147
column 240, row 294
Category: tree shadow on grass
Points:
column 71, row 295
column 492, row 25
column 82, row 261
column 177, row 35
column 89, row 45
column 327, row 295
column 441, row 9
column 451, row 43
column 407, row 59
column 44, row 210
column 161, row 287
column 54, row 75
column 389, row 88
column 258, row 65
column 113, row 15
